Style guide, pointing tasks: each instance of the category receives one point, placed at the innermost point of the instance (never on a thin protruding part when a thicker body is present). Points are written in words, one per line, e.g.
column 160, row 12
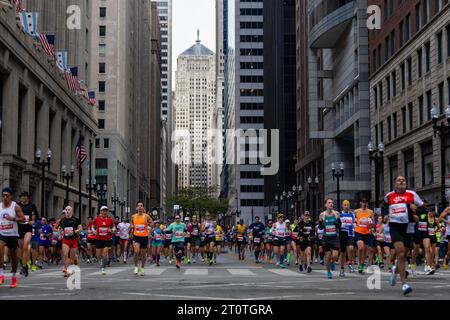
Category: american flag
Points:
column 92, row 100
column 72, row 79
column 48, row 44
column 18, row 5
column 80, row 152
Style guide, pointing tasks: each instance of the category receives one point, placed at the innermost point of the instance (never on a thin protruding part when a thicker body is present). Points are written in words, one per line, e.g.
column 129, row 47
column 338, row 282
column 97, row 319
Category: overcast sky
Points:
column 188, row 16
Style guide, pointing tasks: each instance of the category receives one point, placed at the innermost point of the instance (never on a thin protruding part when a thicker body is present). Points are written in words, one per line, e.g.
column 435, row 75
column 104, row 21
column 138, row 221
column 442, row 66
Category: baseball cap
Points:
column 7, row 189
column 104, row 208
column 287, row 221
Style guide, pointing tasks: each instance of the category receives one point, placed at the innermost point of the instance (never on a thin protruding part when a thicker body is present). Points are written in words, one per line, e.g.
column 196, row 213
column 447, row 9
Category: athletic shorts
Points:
column 372, row 241
column 142, row 241
column 218, row 243
column 91, row 241
column 177, row 246
column 362, row 237
column 102, row 244
column 195, row 241
column 345, row 240
column 277, row 242
column 45, row 245
column 398, row 233
column 167, row 243
column 419, row 236
column 305, row 244
column 388, row 244
column 123, row 242
column 34, row 244
column 10, row 242
column 157, row 244
column 331, row 243
column 24, row 229
column 380, row 244
column 433, row 239
column 288, row 241
column 71, row 243
column 210, row 239
column 187, row 240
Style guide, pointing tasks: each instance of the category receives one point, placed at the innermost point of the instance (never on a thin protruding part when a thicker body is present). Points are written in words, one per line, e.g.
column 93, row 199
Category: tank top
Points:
column 447, row 228
column 140, row 225
column 363, row 221
column 431, row 226
column 329, row 223
column 8, row 228
column 387, row 233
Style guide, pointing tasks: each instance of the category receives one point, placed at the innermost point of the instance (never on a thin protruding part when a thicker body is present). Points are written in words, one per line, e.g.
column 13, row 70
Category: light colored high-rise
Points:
column 124, row 55
column 195, row 104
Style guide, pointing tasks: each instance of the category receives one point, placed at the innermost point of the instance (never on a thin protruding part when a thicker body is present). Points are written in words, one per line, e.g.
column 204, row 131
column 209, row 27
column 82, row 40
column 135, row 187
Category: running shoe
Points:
column 136, row 270
column 170, row 261
column 309, row 269
column 281, row 266
column 332, row 266
column 296, row 262
column 177, row 264
column 322, row 262
column 103, row 272
column 300, row 268
column 351, row 269
column 406, row 288
column 13, row 282
column 278, row 263
column 329, row 275
column 393, row 278
column 381, row 265
column 2, row 279
column 360, row 268
column 64, row 269
column 342, row 273
column 189, row 261
column 34, row 267
column 142, row 272
column 49, row 263
column 315, row 260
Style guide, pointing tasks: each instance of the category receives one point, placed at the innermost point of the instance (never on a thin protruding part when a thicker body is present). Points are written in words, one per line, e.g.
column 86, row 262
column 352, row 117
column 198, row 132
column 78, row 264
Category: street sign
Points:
column 176, row 207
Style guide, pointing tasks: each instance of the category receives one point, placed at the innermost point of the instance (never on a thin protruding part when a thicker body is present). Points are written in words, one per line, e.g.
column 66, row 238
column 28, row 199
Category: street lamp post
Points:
column 338, row 175
column 376, row 156
column 443, row 130
column 67, row 178
column 90, row 187
column 312, row 185
column 296, row 192
column 43, row 163
column 122, row 205
column 115, row 199
column 101, row 194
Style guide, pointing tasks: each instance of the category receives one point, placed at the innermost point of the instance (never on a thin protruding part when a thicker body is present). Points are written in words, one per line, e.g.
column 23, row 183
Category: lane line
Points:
column 285, row 273
column 241, row 272
column 196, row 272
column 177, row 296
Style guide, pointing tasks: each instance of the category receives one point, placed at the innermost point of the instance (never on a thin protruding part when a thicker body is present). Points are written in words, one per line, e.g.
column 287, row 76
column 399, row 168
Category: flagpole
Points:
column 80, row 173
column 90, row 177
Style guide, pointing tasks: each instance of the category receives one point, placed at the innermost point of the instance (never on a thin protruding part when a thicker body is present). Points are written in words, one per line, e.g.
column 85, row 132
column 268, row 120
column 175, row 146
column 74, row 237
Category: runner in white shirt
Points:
column 10, row 215
column 123, row 232
column 279, row 231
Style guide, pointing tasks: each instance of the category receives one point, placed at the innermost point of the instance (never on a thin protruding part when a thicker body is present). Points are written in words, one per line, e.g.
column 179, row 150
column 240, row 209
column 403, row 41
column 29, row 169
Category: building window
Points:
column 106, row 143
column 102, row 49
column 427, row 163
column 429, row 105
column 101, row 105
column 101, row 86
column 439, row 47
column 102, row 12
column 409, row 61
column 395, row 124
column 102, row 31
column 427, row 57
column 402, row 75
column 408, row 28
column 409, row 168
column 441, row 97
column 394, row 83
column 404, row 120
column 393, row 171
column 389, row 124
column 101, row 67
column 419, row 63
column 375, row 94
column 425, row 12
column 401, row 32
column 447, row 29
column 97, row 143
column 417, row 17
column 410, row 115
column 420, row 110
column 101, row 123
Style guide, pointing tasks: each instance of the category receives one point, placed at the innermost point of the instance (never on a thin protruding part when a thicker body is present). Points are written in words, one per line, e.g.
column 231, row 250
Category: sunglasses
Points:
column 5, row 194
column 177, row 218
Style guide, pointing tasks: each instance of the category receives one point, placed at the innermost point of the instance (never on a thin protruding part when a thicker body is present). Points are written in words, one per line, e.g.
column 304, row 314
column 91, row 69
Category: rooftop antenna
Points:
column 198, row 36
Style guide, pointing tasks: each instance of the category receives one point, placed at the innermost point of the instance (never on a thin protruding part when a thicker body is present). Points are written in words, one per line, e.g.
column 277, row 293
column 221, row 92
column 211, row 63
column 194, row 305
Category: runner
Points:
column 187, row 242
column 45, row 234
column 209, row 228
column 400, row 205
column 10, row 215
column 364, row 219
column 295, row 241
column 422, row 238
column 103, row 230
column 123, row 232
column 346, row 237
column 90, row 240
column 55, row 243
column 241, row 230
column 70, row 229
column 157, row 242
column 257, row 230
column 433, row 226
column 444, row 218
column 268, row 241
column 115, row 241
column 319, row 244
column 387, row 244
column 306, row 228
column 218, row 240
column 379, row 237
column 35, row 244
column 179, row 230
column 25, row 230
column 288, row 242
column 140, row 222
column 167, row 244
column 279, row 231
column 194, row 230
column 330, row 240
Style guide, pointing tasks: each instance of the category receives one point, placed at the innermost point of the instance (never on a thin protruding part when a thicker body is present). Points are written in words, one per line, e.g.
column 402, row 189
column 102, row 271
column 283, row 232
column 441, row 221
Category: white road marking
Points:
column 177, row 296
column 272, row 298
column 241, row 272
column 109, row 272
column 285, row 272
column 196, row 272
column 335, row 293
column 51, row 274
column 37, row 295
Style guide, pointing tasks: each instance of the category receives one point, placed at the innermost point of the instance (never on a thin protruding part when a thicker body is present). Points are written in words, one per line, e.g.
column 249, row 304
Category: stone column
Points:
column 10, row 114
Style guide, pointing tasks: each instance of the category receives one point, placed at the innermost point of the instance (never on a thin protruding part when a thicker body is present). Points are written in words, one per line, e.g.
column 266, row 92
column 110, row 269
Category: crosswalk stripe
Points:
column 285, row 272
column 155, row 271
column 241, row 272
column 196, row 272
column 50, row 274
column 108, row 272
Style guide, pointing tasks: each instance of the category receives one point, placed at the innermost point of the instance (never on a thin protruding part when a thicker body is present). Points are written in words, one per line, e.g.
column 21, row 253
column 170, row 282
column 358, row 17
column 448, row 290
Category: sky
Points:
column 188, row 16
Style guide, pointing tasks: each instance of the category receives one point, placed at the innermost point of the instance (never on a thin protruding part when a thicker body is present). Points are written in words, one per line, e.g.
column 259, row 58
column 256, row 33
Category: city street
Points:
column 229, row 279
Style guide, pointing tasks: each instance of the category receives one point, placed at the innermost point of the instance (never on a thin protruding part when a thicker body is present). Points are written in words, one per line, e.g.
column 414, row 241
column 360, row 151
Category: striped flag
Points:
column 18, row 5
column 61, row 60
column 81, row 153
column 48, row 44
column 72, row 79
column 29, row 22
column 85, row 94
column 92, row 100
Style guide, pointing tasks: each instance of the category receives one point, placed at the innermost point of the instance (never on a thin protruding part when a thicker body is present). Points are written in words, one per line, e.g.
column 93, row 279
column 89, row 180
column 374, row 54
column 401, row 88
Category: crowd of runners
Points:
column 406, row 233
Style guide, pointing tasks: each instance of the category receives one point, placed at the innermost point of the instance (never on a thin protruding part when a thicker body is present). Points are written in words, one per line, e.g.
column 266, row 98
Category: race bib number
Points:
column 398, row 213
column 240, row 238
column 43, row 237
column 102, row 231
column 178, row 234
column 295, row 235
column 157, row 236
column 8, row 225
column 387, row 238
column 54, row 242
column 431, row 231
column 194, row 232
column 68, row 231
column 257, row 240
column 140, row 228
column 363, row 222
column 379, row 237
column 330, row 230
column 422, row 226
column 168, row 236
column 281, row 234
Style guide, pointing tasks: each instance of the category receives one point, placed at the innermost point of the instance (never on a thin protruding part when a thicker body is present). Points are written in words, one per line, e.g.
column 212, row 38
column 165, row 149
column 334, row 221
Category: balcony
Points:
column 332, row 22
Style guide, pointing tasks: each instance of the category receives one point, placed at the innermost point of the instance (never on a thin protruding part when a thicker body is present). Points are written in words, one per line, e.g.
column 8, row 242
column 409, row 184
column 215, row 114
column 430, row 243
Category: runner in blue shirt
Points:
column 44, row 234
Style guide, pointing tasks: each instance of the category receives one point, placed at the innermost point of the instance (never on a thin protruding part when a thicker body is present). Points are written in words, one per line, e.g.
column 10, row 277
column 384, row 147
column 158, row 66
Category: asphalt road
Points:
column 229, row 279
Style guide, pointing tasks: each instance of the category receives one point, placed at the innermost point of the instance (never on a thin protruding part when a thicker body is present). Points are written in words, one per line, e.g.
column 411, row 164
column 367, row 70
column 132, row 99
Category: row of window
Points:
column 252, row 12
column 247, row 120
column 252, row 203
column 105, row 143
column 251, row 38
column 251, row 25
column 252, row 79
column 252, row 189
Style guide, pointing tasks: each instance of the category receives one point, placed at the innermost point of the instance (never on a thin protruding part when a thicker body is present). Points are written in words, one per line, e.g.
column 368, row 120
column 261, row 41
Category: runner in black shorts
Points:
column 421, row 237
column 257, row 229
column 26, row 229
column 306, row 227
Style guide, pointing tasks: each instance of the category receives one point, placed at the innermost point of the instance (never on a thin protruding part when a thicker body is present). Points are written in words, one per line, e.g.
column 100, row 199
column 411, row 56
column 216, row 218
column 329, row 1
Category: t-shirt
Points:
column 241, row 229
column 178, row 230
column 306, row 229
column 103, row 227
column 28, row 210
column 157, row 234
column 35, row 231
column 258, row 229
column 398, row 206
column 219, row 233
column 123, row 230
column 44, row 235
column 194, row 230
column 68, row 227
